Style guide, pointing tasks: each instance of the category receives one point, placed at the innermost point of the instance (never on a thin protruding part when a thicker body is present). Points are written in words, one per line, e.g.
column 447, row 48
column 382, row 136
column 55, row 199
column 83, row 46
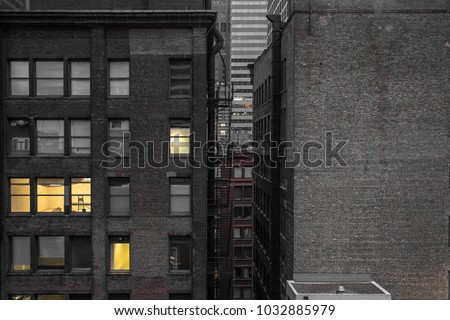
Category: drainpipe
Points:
column 274, row 290
column 211, row 80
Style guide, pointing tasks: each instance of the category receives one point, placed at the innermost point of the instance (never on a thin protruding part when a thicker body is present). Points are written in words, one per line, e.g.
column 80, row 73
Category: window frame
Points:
column 36, row 78
column 21, row 122
column 10, row 78
column 11, row 255
column 118, row 239
column 39, row 154
column 181, row 96
column 72, row 154
column 179, row 239
column 70, row 78
column 180, row 181
column 10, row 195
column 122, row 141
column 124, row 214
column 72, row 194
column 180, row 124
column 115, row 96
column 37, row 195
column 54, row 267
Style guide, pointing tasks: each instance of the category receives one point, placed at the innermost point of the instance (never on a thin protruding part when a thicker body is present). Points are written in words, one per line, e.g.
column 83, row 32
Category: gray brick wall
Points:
column 379, row 81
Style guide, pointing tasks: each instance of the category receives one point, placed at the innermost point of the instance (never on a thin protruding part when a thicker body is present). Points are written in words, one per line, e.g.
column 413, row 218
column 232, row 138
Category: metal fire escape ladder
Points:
column 220, row 271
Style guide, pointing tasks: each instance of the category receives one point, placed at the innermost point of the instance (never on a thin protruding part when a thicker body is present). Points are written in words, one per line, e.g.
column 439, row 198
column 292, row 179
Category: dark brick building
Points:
column 374, row 73
column 71, row 80
column 241, row 186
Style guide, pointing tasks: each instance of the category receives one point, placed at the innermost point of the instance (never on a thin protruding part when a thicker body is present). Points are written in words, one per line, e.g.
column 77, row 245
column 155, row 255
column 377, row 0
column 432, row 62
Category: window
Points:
column 51, row 252
column 81, row 194
column 243, row 252
column 119, row 196
column 20, row 297
column 80, row 296
column 119, row 78
column 117, row 130
column 80, row 78
column 119, row 254
column 80, row 137
column 237, row 233
column 180, row 77
column 119, row 296
column 180, row 296
column 20, row 253
column 19, row 77
column 180, row 140
column 81, row 253
column 247, row 172
column 242, row 192
column 19, row 189
column 180, row 254
column 243, row 272
column 50, row 297
column 19, row 135
column 237, row 172
column 242, row 292
column 50, row 137
column 49, row 78
column 243, row 212
column 50, row 195
column 247, row 232
column 180, row 196
column 242, row 232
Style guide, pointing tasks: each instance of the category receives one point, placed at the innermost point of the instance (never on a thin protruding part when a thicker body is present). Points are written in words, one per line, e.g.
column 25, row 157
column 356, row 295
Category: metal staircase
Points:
column 220, row 263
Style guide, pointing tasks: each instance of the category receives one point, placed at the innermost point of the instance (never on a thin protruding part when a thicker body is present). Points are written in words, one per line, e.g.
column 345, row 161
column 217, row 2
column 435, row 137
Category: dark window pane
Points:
column 81, row 253
column 180, row 253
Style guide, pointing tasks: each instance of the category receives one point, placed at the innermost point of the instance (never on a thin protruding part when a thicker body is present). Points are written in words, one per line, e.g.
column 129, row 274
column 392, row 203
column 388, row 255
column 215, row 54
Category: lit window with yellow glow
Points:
column 120, row 254
column 81, row 194
column 180, row 140
column 50, row 195
column 20, row 195
column 20, row 253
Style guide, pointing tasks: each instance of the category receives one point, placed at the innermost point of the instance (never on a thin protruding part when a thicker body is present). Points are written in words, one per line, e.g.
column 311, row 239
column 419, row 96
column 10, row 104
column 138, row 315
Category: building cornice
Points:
column 174, row 18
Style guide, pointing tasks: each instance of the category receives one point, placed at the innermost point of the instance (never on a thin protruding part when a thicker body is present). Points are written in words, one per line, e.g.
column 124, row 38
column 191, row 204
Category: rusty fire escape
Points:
column 220, row 263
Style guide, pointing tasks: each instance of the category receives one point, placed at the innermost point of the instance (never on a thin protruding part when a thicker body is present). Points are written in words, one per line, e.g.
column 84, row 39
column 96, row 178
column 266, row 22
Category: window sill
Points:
column 118, row 216
column 118, row 97
column 180, row 272
column 180, row 97
column 19, row 273
column 171, row 215
column 119, row 273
